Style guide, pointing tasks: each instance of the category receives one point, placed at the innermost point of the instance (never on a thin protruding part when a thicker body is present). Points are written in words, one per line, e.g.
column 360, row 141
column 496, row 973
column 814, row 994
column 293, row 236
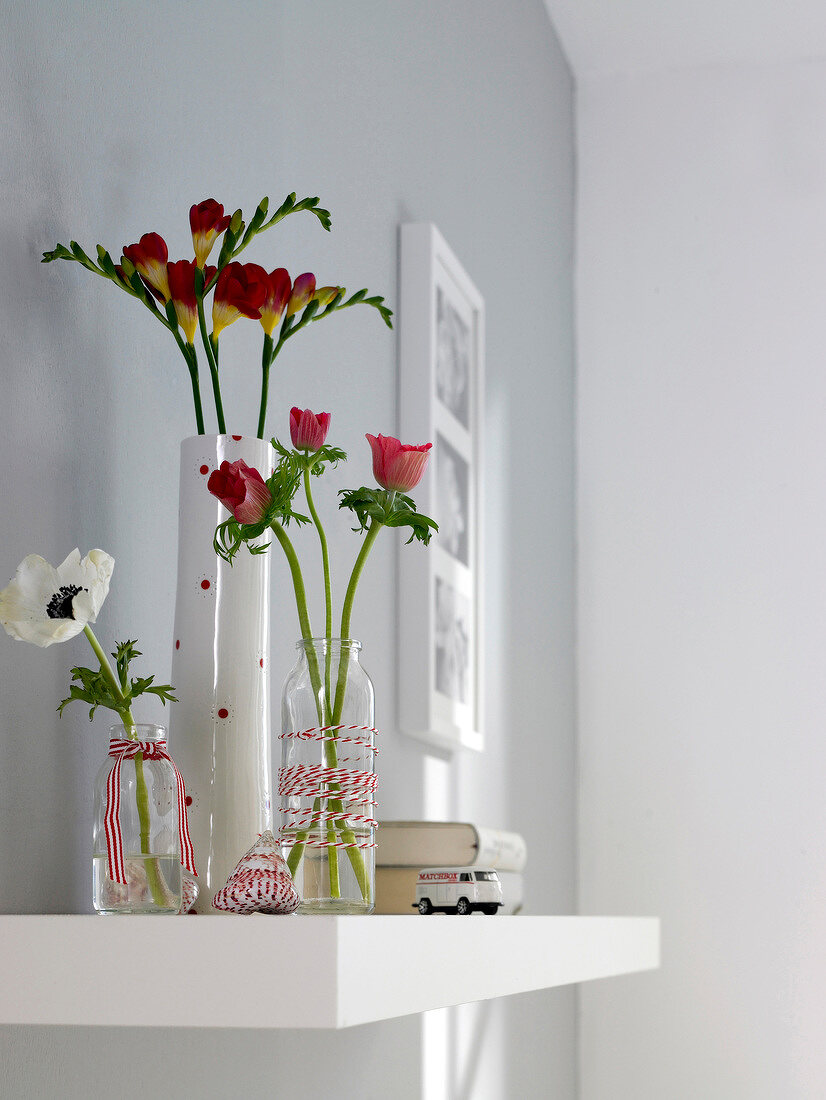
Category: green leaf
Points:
column 326, row 456
column 91, row 686
column 164, row 693
column 390, row 509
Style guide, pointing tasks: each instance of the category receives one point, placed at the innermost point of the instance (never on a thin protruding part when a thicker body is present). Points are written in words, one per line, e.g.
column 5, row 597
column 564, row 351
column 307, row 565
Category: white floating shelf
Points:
column 288, row 972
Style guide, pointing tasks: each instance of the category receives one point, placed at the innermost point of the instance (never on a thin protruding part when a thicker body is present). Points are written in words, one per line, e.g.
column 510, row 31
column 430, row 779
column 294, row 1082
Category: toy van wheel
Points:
column 425, row 908
column 491, row 910
column 463, row 907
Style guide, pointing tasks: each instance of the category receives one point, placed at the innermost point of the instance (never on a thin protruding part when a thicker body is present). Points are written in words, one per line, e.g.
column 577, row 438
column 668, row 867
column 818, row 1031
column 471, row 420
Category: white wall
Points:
column 114, row 118
column 702, row 602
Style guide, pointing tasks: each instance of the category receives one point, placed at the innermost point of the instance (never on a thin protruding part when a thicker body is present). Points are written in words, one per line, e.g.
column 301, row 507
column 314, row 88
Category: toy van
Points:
column 462, row 890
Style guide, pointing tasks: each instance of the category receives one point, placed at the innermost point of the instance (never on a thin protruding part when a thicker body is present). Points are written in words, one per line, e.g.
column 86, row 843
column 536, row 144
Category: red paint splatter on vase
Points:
column 223, row 713
column 178, row 643
column 236, row 438
column 205, row 469
column 205, row 585
column 261, row 662
column 188, row 800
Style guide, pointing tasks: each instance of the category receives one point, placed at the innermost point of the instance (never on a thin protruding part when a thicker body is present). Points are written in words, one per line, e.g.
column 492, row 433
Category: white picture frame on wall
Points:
column 441, row 365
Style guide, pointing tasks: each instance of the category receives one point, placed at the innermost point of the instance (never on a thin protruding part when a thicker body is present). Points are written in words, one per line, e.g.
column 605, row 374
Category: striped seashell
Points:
column 261, row 883
column 189, row 893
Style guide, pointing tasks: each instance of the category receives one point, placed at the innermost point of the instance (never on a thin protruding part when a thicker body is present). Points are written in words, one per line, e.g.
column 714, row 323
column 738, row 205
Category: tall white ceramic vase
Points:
column 220, row 726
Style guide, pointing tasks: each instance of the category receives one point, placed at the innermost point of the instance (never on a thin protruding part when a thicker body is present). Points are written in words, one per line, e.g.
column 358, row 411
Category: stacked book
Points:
column 405, row 847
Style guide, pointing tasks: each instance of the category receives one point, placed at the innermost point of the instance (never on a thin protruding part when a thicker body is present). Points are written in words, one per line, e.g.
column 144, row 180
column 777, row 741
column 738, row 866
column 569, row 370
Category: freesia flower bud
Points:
column 240, row 290
column 308, row 430
column 303, row 291
column 397, row 466
column 325, row 294
column 149, row 256
column 181, row 276
column 206, row 220
column 241, row 490
column 279, row 288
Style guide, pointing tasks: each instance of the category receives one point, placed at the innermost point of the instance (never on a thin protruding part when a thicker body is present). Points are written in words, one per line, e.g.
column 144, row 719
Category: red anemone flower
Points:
column 181, row 276
column 397, row 466
column 149, row 256
column 239, row 290
column 303, row 290
column 308, row 430
column 279, row 289
column 241, row 490
column 206, row 220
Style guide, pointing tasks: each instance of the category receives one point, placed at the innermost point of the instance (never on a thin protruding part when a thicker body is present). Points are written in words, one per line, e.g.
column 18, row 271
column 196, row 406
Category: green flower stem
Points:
column 267, row 356
column 328, row 631
column 330, row 754
column 153, row 873
column 297, row 850
column 188, row 352
column 297, row 579
column 348, row 836
column 210, row 349
column 192, row 363
column 358, row 566
column 328, row 590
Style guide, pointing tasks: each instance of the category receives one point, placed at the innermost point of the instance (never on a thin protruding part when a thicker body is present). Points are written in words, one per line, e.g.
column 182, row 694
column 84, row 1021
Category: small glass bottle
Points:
column 327, row 778
column 143, row 827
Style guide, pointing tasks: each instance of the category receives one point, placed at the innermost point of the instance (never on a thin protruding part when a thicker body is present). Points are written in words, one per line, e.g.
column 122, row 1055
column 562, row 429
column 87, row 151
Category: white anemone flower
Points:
column 44, row 605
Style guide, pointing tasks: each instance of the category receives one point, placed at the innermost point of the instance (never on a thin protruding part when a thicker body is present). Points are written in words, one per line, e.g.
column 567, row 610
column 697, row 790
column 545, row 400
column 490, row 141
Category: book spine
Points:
column 504, row 851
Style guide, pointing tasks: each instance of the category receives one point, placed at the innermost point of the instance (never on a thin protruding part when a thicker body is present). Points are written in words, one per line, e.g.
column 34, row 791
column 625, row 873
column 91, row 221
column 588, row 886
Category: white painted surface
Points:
column 603, row 37
column 350, row 969
column 114, row 118
column 702, row 627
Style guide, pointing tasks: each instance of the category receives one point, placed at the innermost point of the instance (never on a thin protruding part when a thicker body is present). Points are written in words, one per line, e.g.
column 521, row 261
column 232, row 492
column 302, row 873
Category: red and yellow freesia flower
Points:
column 149, row 257
column 279, row 289
column 397, row 466
column 302, row 292
column 207, row 221
column 240, row 291
column 181, row 276
column 308, row 430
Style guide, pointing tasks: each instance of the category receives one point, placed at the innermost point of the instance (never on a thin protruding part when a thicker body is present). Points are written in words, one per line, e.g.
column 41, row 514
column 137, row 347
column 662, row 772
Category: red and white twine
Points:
column 319, row 784
column 120, row 749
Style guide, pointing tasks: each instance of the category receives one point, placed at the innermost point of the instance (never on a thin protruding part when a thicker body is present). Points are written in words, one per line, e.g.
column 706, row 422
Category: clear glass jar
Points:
column 327, row 778
column 148, row 826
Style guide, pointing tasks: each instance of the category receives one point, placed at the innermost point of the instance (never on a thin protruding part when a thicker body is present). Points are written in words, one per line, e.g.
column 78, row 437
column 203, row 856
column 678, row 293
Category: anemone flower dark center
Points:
column 60, row 605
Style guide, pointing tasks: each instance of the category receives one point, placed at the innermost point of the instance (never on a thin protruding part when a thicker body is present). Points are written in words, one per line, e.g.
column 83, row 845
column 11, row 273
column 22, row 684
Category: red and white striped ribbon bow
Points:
column 121, row 749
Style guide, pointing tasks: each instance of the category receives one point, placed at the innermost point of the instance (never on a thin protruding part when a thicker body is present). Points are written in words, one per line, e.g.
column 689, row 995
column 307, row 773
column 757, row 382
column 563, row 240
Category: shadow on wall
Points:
column 53, row 447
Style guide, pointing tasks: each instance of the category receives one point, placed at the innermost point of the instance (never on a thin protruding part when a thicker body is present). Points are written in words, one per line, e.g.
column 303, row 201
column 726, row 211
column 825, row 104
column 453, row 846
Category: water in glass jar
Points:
column 137, row 895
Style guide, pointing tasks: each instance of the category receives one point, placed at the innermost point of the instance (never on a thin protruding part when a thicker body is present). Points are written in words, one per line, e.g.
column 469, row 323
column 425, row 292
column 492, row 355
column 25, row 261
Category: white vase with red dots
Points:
column 220, row 728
